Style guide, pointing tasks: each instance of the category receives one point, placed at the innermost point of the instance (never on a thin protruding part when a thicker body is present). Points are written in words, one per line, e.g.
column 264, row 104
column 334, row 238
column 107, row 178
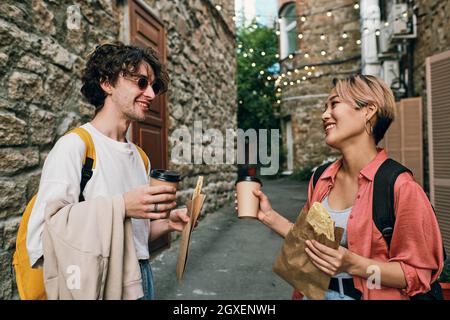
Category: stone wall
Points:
column 40, row 64
column 201, row 52
column 433, row 37
column 308, row 79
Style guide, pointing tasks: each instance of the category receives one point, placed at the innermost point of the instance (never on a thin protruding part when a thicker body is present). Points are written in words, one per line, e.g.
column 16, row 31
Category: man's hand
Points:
column 149, row 202
column 178, row 219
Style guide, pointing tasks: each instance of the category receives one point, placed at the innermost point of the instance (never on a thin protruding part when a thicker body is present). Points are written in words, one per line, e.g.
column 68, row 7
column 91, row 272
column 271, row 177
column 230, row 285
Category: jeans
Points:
column 333, row 295
column 147, row 280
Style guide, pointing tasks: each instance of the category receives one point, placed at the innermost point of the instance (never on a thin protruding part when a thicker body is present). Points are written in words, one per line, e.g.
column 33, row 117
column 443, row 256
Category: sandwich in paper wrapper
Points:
column 194, row 207
column 293, row 264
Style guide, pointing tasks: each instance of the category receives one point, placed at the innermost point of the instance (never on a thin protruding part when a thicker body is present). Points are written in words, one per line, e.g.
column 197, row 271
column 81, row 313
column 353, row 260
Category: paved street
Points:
column 231, row 258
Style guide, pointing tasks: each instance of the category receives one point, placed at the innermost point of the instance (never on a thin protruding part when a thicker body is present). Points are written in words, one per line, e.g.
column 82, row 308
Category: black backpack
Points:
column 383, row 210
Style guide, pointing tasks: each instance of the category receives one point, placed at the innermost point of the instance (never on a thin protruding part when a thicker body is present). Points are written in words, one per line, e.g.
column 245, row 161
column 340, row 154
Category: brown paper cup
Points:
column 162, row 177
column 156, row 182
column 248, row 203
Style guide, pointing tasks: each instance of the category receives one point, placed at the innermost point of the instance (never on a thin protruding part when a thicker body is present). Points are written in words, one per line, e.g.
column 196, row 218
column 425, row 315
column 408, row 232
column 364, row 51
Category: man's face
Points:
column 130, row 94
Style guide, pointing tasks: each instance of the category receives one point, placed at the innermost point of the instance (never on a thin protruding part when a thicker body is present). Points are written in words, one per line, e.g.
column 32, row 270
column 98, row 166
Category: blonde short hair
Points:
column 363, row 90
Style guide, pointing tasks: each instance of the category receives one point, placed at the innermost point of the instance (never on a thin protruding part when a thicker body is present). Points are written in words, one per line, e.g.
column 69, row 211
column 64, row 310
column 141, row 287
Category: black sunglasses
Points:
column 143, row 83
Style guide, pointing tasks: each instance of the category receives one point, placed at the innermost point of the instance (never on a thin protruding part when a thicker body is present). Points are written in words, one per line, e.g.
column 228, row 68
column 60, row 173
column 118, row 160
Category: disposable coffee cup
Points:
column 161, row 177
column 248, row 203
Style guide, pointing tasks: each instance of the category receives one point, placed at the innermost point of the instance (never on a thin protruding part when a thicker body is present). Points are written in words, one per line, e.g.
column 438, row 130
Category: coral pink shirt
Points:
column 416, row 242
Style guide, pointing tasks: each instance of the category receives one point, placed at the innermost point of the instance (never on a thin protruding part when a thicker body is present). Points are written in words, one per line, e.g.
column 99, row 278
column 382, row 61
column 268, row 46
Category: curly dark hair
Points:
column 110, row 60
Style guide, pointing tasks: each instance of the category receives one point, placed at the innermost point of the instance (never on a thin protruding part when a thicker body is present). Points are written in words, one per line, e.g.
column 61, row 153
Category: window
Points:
column 288, row 30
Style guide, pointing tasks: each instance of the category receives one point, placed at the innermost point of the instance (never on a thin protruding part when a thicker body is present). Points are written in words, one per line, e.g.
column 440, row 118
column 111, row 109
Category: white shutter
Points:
column 403, row 141
column 438, row 93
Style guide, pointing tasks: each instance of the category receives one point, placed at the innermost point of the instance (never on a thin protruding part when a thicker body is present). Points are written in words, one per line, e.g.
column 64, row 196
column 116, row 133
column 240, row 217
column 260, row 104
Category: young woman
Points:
column 356, row 116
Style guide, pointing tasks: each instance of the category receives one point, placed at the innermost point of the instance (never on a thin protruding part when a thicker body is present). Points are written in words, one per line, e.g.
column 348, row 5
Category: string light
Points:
column 311, row 34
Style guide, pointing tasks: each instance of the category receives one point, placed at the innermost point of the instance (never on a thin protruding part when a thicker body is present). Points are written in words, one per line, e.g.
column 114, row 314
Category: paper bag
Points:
column 293, row 264
column 194, row 207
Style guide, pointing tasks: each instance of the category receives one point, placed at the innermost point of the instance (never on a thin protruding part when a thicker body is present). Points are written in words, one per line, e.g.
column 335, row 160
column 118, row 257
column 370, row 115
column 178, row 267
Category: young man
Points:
column 120, row 81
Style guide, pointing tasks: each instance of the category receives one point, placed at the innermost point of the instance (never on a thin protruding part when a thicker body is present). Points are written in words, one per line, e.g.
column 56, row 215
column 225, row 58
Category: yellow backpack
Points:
column 30, row 282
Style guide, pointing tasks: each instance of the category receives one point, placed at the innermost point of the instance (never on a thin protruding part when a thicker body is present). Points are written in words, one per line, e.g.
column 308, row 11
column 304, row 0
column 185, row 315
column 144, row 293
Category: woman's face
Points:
column 343, row 123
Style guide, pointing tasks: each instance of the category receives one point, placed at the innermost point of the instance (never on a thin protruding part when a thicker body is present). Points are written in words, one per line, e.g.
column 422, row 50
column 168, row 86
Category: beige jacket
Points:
column 89, row 251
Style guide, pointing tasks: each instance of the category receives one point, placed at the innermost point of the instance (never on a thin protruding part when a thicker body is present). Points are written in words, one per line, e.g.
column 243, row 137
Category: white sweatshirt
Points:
column 119, row 168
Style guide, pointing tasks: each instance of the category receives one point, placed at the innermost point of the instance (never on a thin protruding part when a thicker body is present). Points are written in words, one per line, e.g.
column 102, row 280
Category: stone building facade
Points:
column 327, row 46
column 41, row 58
column 433, row 37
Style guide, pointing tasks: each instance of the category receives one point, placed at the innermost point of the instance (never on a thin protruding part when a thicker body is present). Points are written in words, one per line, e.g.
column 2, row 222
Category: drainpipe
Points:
column 370, row 22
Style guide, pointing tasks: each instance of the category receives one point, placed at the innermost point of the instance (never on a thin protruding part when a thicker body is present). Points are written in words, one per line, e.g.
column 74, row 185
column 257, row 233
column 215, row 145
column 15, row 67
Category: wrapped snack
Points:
column 194, row 207
column 293, row 264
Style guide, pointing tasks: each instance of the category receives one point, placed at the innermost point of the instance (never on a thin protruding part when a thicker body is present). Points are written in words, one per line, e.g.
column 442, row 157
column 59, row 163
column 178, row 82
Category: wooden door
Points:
column 146, row 30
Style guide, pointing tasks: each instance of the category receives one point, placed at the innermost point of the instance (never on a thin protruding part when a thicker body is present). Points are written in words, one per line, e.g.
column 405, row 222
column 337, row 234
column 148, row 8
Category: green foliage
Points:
column 256, row 94
column 303, row 174
column 445, row 275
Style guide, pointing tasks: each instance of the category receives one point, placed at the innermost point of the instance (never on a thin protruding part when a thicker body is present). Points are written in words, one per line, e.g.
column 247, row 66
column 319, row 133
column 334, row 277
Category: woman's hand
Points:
column 178, row 219
column 268, row 216
column 149, row 202
column 329, row 260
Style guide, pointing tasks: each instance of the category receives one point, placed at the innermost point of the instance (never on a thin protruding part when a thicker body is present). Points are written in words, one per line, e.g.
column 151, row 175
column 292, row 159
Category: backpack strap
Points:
column 89, row 158
column 383, row 213
column 318, row 172
column 144, row 157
